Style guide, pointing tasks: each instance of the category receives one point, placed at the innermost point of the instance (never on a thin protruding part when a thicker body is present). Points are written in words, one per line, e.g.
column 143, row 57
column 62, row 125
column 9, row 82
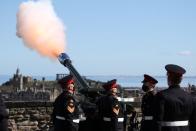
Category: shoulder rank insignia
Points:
column 116, row 109
column 70, row 106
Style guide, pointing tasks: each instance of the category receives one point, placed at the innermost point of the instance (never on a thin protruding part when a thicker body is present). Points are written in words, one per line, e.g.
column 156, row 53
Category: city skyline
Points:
column 109, row 38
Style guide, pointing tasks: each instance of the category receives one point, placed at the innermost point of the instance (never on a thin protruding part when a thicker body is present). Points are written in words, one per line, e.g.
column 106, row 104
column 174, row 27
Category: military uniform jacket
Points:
column 147, row 107
column 108, row 111
column 65, row 113
column 175, row 110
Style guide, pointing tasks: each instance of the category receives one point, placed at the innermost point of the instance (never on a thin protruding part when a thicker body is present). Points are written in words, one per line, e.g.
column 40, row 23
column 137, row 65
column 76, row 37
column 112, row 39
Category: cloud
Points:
column 185, row 53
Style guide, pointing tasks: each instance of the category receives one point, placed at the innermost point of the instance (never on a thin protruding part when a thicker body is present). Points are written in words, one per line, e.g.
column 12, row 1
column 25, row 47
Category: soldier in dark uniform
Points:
column 148, row 86
column 65, row 112
column 109, row 108
column 175, row 108
column 3, row 116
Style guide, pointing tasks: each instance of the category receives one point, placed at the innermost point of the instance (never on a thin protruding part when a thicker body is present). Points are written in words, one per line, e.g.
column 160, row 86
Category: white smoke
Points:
column 40, row 28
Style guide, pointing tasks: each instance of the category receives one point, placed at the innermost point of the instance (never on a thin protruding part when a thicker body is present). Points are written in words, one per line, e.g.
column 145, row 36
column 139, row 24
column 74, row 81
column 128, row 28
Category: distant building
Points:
column 25, row 88
column 60, row 76
column 18, row 81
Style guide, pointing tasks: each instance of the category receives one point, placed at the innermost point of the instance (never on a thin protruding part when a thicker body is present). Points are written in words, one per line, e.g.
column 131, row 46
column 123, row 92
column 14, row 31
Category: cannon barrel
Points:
column 65, row 60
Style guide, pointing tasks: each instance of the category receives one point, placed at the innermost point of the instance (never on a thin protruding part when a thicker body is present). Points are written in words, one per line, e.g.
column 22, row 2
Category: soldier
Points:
column 148, row 86
column 175, row 108
column 109, row 108
column 3, row 116
column 65, row 112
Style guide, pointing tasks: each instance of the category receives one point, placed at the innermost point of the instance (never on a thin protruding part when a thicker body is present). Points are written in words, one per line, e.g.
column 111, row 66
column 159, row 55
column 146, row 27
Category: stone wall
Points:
column 29, row 116
column 33, row 116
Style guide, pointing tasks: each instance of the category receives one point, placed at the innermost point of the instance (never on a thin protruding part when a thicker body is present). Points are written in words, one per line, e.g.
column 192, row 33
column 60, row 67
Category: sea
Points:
column 124, row 81
column 135, row 81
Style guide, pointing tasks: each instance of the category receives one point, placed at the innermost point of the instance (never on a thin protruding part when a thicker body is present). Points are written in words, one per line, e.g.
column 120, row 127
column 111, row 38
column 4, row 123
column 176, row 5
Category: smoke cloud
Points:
column 185, row 53
column 40, row 28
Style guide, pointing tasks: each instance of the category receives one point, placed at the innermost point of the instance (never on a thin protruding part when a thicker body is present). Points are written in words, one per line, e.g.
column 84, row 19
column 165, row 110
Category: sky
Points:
column 108, row 37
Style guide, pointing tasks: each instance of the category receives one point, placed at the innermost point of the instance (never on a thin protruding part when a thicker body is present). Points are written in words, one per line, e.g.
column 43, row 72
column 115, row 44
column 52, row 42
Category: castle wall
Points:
column 32, row 116
column 29, row 116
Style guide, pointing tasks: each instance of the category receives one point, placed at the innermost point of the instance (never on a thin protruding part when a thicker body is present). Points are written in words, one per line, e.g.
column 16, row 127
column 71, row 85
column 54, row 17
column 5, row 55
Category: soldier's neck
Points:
column 174, row 86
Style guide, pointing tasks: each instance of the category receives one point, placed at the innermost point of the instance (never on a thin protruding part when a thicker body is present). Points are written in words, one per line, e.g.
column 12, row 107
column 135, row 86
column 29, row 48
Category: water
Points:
column 125, row 81
column 4, row 78
column 135, row 81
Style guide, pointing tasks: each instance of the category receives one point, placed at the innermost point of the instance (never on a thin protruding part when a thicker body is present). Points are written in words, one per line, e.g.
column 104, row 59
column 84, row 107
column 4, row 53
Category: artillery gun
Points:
column 90, row 94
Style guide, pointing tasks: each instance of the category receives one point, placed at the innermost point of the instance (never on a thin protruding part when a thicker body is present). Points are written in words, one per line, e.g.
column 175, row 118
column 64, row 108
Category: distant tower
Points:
column 35, row 85
column 21, row 83
column 18, row 80
column 43, row 82
column 17, row 71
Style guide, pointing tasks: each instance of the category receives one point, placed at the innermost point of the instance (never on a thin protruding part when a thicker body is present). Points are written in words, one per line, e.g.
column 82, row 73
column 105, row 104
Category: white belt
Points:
column 60, row 117
column 174, row 123
column 148, row 117
column 125, row 99
column 109, row 119
column 106, row 119
column 76, row 120
column 63, row 118
column 120, row 119
column 82, row 118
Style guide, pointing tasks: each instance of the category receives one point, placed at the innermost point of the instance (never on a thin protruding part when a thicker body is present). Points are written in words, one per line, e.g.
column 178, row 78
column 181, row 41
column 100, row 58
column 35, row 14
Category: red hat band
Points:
column 114, row 86
column 70, row 81
column 110, row 84
column 65, row 81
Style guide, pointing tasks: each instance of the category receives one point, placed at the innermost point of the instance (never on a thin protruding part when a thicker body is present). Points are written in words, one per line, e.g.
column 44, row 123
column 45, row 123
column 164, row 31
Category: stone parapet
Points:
column 29, row 116
column 34, row 116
